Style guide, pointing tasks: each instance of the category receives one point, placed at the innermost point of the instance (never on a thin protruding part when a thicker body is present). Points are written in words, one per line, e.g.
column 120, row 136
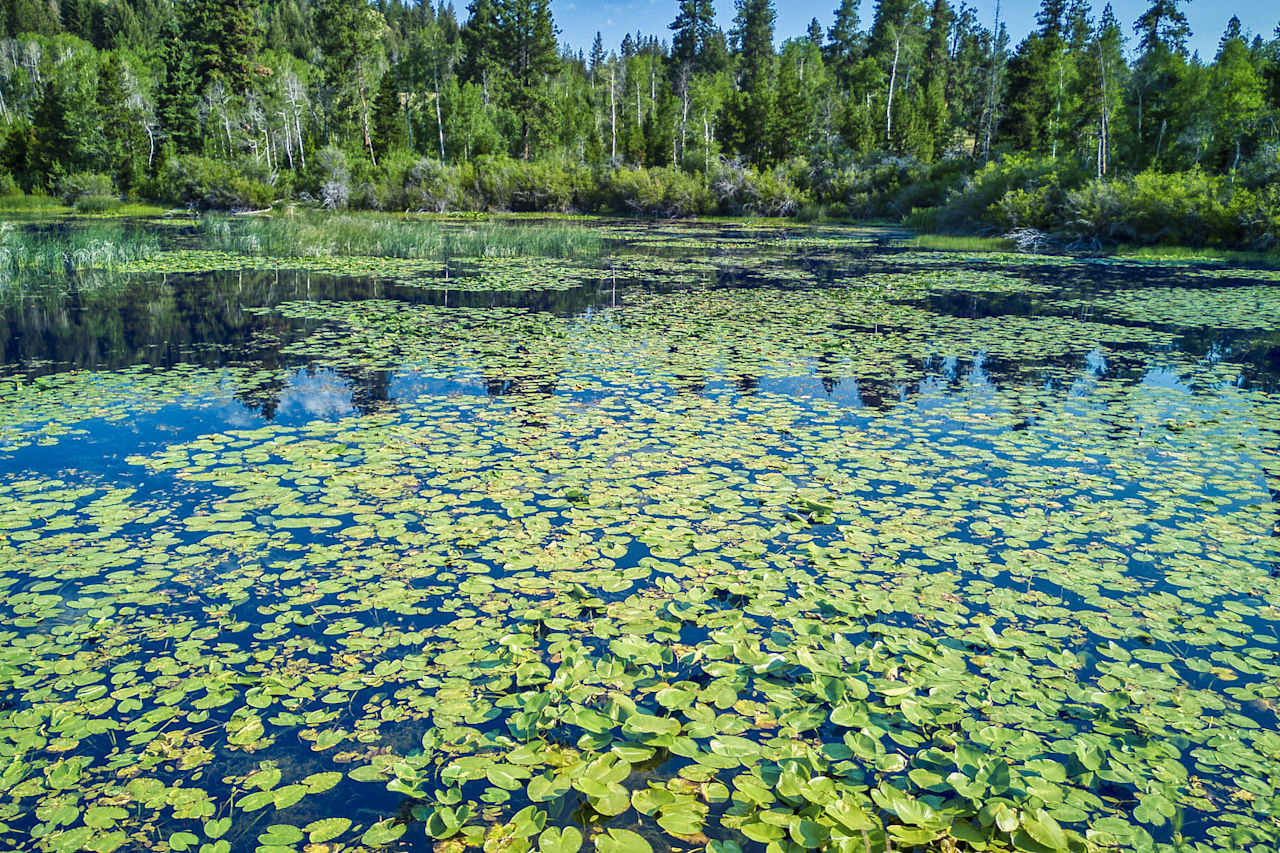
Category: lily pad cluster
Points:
column 755, row 568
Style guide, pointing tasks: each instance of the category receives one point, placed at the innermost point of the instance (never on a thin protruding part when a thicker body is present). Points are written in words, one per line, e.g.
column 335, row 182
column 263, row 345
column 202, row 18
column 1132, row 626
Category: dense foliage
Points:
column 240, row 103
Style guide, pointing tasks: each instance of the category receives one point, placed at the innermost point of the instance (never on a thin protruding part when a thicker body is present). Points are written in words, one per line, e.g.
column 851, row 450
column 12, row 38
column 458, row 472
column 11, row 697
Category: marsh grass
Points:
column 329, row 235
column 1188, row 254
column 27, row 254
column 956, row 243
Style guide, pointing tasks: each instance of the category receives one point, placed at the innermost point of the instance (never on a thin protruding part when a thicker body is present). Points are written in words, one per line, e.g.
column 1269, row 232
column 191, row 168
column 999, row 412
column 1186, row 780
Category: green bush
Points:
column 421, row 183
column 741, row 191
column 74, row 187
column 97, row 204
column 497, row 183
column 1185, row 208
column 1017, row 190
column 665, row 191
column 8, row 186
column 207, row 184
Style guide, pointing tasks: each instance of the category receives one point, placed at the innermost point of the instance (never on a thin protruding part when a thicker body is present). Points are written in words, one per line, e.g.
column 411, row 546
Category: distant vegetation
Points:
column 318, row 236
column 1093, row 129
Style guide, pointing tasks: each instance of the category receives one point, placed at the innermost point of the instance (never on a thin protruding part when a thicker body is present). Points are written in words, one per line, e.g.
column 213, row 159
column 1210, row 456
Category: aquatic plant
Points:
column 312, row 235
column 26, row 252
column 843, row 558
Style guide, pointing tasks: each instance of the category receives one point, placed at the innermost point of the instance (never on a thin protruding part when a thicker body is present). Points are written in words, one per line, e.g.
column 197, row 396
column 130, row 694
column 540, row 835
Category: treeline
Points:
column 239, row 103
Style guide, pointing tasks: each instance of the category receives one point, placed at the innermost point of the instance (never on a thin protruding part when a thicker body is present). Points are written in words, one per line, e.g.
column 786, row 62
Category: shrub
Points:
column 74, row 187
column 1186, row 208
column 421, row 183
column 97, row 204
column 207, row 184
column 741, row 191
column 8, row 186
column 1033, row 186
column 499, row 183
column 662, row 191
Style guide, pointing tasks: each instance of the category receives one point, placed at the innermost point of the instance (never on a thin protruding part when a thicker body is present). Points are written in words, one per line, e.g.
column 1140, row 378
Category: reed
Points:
column 28, row 253
column 960, row 243
column 337, row 235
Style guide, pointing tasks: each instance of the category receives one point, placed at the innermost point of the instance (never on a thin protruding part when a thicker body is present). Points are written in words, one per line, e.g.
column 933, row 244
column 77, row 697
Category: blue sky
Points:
column 579, row 20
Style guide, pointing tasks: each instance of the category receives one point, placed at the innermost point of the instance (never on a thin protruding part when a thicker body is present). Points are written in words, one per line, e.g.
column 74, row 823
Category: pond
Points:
column 724, row 536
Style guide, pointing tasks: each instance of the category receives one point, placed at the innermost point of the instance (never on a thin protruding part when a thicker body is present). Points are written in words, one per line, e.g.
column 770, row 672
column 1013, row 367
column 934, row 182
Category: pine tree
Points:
column 1159, row 73
column 224, row 37
column 389, row 131
column 844, row 42
column 597, row 56
column 77, row 19
column 1163, row 27
column 348, row 31
column 795, row 108
column 814, row 33
column 1100, row 86
column 479, row 42
column 1039, row 83
column 1238, row 96
column 526, row 39
column 892, row 42
column 1234, row 31
column 935, row 117
column 177, row 94
column 752, row 111
column 696, row 41
column 1051, row 18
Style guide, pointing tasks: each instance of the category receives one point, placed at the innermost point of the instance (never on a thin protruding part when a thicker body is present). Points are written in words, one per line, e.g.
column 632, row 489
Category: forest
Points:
column 1091, row 128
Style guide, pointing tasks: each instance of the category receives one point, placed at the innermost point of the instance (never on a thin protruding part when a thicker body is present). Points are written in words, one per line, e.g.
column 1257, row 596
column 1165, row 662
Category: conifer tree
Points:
column 223, row 36
column 526, row 40
column 348, row 31
column 752, row 110
column 844, row 42
column 935, row 117
column 389, row 131
column 696, row 41
column 177, row 95
column 1237, row 96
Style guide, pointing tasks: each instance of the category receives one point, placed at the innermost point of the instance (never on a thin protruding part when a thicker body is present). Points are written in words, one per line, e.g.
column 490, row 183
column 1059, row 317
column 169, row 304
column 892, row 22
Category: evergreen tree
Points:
column 935, row 117
column 348, row 31
column 1238, row 96
column 1163, row 27
column 177, row 93
column 752, row 111
column 1036, row 117
column 1160, row 110
column 389, row 130
column 1103, row 79
column 844, row 42
column 480, row 42
column 1234, row 31
column 814, row 33
column 696, row 41
column 223, row 36
column 526, row 39
column 895, row 33
column 597, row 56
column 76, row 18
column 796, row 113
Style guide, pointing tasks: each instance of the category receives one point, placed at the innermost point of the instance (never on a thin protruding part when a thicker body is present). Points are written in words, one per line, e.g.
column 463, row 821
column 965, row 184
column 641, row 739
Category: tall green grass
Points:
column 956, row 243
column 28, row 253
column 1197, row 255
column 336, row 235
